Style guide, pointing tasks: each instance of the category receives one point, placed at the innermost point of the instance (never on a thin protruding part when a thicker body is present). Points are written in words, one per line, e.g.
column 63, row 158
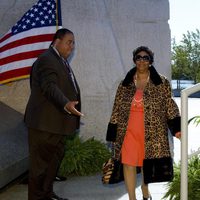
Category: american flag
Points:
column 28, row 38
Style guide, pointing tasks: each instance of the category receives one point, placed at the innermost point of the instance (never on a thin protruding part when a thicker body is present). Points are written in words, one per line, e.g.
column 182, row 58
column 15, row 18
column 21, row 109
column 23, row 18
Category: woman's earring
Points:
column 149, row 65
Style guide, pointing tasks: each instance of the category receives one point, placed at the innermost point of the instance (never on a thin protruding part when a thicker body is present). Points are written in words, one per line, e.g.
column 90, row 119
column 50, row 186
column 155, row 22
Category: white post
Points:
column 184, row 138
column 184, row 146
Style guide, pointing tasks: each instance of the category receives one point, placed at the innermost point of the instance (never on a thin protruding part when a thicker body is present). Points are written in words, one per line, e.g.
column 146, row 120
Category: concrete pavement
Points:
column 85, row 188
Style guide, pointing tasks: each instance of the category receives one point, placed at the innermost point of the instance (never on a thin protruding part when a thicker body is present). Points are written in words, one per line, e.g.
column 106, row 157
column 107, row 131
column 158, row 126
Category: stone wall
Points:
column 106, row 32
column 14, row 145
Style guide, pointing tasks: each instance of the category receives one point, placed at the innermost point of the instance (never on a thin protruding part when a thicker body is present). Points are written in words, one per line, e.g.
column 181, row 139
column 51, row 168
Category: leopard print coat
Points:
column 160, row 111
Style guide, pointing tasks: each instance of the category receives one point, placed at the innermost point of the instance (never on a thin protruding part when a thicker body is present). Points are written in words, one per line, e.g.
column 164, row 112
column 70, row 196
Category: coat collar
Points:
column 54, row 52
column 154, row 76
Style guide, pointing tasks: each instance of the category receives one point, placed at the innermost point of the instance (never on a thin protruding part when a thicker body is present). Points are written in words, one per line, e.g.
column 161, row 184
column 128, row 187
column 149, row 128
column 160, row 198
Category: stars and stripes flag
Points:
column 28, row 38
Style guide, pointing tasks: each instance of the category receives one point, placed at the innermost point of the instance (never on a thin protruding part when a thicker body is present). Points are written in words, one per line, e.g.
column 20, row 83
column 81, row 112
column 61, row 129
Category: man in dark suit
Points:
column 52, row 112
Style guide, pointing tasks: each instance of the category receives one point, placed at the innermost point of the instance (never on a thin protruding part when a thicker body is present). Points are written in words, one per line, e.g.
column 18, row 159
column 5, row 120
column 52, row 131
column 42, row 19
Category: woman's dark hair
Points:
column 60, row 34
column 147, row 50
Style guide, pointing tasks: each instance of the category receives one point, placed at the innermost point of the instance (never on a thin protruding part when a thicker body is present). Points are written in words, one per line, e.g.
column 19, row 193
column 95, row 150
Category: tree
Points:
column 179, row 63
column 186, row 57
column 192, row 45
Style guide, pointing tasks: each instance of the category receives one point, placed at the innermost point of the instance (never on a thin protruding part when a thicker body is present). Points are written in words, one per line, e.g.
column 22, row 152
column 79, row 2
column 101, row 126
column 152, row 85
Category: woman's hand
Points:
column 178, row 135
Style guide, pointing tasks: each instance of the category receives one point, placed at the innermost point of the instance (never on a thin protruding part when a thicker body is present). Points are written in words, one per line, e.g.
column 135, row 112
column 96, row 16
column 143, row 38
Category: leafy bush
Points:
column 195, row 119
column 83, row 157
column 173, row 188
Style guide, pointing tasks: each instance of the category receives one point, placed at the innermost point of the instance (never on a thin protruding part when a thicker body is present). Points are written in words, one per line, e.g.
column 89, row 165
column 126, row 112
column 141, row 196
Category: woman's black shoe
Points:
column 149, row 198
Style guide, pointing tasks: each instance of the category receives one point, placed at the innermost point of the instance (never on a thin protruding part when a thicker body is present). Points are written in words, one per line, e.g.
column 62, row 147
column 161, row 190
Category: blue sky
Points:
column 184, row 16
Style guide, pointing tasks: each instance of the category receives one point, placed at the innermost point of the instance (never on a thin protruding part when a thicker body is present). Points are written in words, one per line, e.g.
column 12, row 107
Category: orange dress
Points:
column 133, row 144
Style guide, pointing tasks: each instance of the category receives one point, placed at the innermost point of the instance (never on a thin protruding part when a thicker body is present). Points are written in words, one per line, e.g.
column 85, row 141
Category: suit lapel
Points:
column 68, row 70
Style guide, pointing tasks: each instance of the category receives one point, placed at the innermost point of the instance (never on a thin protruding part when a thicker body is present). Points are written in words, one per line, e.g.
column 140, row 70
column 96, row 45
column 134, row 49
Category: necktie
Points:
column 70, row 73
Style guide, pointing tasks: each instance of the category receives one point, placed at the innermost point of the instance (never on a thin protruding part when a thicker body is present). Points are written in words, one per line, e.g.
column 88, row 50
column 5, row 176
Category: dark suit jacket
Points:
column 51, row 89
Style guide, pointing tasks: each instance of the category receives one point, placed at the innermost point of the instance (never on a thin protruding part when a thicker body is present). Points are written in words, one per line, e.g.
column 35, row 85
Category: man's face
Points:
column 65, row 45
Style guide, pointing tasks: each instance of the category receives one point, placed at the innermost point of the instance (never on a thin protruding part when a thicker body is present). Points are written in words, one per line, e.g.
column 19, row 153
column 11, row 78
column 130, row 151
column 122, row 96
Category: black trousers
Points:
column 46, row 151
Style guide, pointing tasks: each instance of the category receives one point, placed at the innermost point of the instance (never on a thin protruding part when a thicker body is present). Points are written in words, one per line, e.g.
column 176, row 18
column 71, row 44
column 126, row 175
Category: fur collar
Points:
column 154, row 76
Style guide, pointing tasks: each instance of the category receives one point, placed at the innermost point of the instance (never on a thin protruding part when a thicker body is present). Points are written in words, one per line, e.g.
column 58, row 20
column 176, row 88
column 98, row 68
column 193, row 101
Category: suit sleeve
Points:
column 49, row 78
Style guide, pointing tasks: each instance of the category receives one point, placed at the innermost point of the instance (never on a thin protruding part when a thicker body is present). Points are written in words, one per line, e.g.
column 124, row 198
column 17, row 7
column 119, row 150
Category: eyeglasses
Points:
column 144, row 58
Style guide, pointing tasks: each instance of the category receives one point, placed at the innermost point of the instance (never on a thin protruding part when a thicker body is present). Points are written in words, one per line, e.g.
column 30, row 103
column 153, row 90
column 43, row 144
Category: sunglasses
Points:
column 144, row 58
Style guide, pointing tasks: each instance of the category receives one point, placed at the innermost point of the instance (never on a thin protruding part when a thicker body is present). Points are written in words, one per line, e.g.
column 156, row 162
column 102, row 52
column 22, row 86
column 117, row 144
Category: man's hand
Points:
column 70, row 108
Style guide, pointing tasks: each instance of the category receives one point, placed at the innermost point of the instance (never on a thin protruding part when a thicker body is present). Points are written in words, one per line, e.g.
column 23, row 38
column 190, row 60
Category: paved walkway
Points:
column 85, row 188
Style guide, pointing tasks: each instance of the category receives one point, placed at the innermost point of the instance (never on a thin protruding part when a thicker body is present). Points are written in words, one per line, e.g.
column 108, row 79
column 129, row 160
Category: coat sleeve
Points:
column 173, row 114
column 112, row 126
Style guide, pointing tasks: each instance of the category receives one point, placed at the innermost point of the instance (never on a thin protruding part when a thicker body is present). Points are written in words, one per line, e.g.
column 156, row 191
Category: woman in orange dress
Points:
column 142, row 113
column 133, row 145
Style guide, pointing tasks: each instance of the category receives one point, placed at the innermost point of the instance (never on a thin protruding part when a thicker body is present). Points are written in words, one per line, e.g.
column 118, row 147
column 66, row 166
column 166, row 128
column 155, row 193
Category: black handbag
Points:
column 158, row 170
column 112, row 172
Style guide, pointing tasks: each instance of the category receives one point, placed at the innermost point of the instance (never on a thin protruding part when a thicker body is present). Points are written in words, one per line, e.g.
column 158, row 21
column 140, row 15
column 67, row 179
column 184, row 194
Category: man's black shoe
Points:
column 55, row 197
column 60, row 178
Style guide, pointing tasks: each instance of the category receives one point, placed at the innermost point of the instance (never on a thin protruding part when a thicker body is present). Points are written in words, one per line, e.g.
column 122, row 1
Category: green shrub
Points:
column 173, row 188
column 83, row 157
column 196, row 120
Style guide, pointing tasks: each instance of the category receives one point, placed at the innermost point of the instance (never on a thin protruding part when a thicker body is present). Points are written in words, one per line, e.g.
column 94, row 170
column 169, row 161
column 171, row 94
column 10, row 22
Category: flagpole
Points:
column 56, row 15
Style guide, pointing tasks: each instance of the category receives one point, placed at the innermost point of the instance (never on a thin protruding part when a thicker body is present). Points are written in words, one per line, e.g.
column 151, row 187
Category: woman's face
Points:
column 142, row 61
